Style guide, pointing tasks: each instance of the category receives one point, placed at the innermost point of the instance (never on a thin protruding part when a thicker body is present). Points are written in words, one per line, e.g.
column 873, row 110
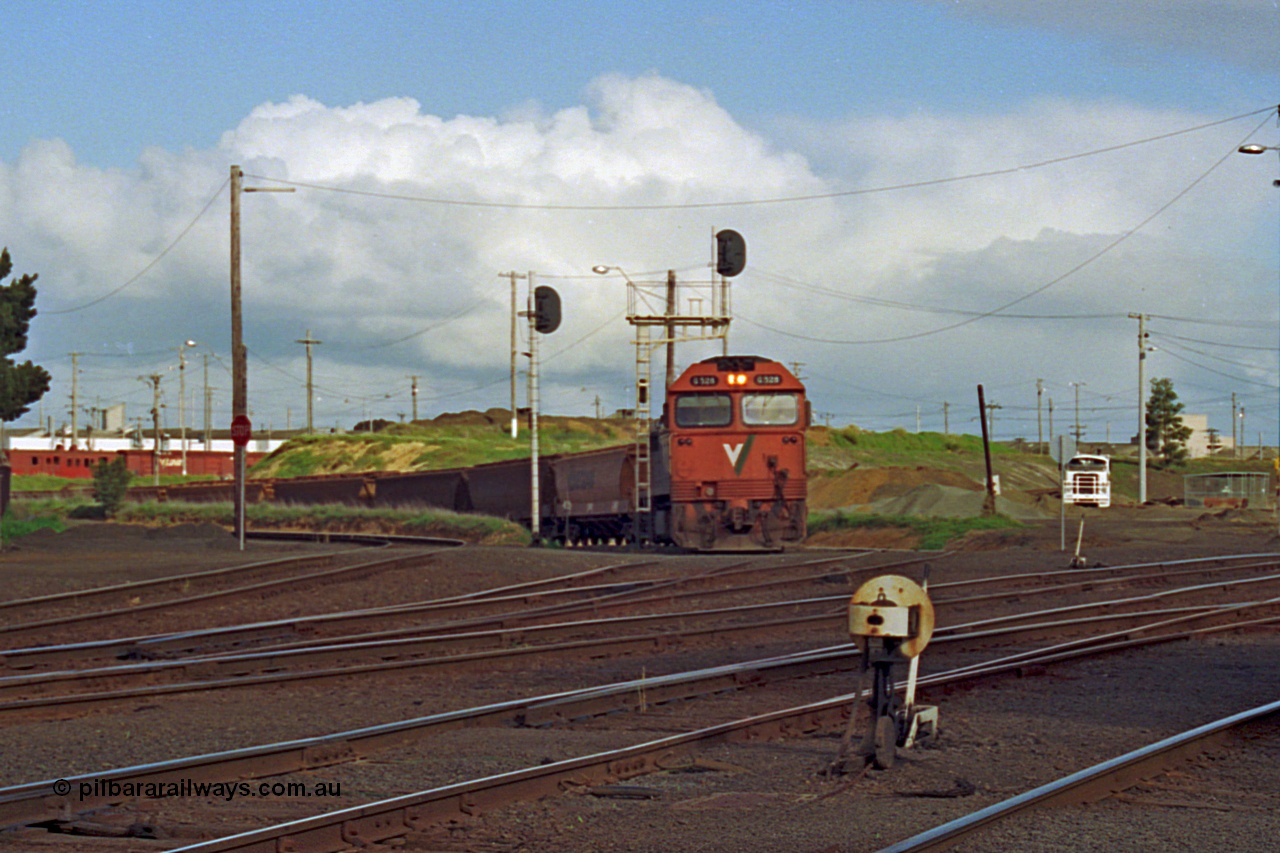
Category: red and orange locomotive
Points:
column 733, row 444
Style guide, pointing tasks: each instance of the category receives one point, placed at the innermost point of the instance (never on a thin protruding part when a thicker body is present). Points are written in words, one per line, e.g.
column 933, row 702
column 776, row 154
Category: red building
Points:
column 63, row 462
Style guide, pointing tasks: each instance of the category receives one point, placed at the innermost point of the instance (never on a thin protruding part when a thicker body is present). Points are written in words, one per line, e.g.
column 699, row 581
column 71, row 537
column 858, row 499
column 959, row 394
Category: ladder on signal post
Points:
column 643, row 498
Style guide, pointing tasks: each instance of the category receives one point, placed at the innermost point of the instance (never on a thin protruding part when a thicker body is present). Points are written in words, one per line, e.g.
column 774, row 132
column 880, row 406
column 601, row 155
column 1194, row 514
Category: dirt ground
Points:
column 998, row 738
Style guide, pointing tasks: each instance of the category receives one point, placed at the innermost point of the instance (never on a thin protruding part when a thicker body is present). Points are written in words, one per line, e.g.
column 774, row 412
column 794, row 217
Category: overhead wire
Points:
column 757, row 202
column 157, row 259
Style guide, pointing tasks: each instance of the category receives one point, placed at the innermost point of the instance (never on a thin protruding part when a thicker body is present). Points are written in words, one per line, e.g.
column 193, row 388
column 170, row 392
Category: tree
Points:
column 110, row 482
column 1164, row 423
column 20, row 384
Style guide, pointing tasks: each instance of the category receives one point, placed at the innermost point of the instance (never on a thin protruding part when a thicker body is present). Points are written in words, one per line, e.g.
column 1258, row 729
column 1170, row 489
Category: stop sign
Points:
column 241, row 430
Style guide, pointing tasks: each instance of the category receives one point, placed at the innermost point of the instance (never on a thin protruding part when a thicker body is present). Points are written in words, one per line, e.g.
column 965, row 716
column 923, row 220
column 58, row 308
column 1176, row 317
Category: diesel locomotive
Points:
column 726, row 471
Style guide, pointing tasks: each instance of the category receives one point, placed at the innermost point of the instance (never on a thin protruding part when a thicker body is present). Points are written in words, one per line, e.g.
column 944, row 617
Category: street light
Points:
column 1254, row 148
column 182, row 398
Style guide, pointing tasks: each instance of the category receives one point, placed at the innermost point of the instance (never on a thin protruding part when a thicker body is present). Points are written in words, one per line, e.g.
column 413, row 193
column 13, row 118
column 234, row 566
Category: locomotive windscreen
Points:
column 703, row 410
column 782, row 409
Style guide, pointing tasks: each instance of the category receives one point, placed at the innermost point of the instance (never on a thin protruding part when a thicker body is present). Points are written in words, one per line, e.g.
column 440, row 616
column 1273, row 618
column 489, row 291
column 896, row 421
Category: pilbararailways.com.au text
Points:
column 112, row 788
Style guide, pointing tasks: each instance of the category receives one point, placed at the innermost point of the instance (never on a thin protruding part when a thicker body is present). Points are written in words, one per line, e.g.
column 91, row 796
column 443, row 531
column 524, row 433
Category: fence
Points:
column 1228, row 489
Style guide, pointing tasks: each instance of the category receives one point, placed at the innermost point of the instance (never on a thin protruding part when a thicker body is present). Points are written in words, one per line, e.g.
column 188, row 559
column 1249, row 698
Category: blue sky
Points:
column 118, row 122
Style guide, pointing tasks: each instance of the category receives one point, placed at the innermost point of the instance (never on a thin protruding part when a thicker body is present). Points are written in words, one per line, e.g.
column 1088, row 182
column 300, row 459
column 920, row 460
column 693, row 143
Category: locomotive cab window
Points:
column 779, row 409
column 703, row 410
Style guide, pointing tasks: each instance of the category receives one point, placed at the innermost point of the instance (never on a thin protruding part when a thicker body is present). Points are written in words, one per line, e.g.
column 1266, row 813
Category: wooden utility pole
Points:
column 75, row 400
column 154, row 379
column 515, row 348
column 413, row 389
column 239, row 372
column 239, row 385
column 310, row 388
column 671, row 328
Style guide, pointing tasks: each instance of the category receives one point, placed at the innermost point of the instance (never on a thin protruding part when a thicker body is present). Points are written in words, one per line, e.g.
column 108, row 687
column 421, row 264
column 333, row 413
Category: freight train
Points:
column 725, row 471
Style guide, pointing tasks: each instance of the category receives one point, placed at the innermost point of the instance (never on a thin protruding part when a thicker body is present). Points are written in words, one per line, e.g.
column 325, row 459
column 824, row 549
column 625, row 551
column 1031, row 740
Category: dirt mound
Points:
column 866, row 485
column 938, row 501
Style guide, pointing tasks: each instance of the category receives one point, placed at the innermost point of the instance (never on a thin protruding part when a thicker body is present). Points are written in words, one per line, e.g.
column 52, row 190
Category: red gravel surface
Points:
column 999, row 738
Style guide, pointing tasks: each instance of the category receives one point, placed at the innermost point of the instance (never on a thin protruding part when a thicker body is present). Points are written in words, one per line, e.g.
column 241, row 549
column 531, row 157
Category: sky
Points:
column 934, row 195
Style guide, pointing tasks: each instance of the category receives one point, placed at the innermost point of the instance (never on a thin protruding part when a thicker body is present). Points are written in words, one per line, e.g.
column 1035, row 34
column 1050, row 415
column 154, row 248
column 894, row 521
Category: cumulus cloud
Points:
column 391, row 247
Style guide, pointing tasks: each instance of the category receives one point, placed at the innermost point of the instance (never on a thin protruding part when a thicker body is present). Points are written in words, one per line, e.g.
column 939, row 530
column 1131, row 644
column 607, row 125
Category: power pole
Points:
column 309, row 341
column 182, row 399
column 239, row 370
column 1079, row 433
column 946, row 418
column 1039, row 422
column 75, row 400
column 1142, row 409
column 1235, row 443
column 414, row 392
column 1051, row 419
column 991, row 417
column 515, row 348
column 671, row 328
column 208, row 407
column 154, row 379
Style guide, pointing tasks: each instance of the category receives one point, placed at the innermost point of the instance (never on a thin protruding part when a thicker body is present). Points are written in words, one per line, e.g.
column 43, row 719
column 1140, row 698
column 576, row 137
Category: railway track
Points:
column 1139, row 608
column 1092, row 784
column 38, row 802
column 393, row 818
column 515, row 635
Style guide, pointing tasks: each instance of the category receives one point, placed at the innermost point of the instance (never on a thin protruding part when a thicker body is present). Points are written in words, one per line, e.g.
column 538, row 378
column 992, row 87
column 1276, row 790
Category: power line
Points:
column 757, row 202
column 157, row 259
column 1075, row 269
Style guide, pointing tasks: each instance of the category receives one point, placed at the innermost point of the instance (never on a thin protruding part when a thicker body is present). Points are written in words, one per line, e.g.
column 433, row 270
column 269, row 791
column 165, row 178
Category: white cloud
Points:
column 363, row 271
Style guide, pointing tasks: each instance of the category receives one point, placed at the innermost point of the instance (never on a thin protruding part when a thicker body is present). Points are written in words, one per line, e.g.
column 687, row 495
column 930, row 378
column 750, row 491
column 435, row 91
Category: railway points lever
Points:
column 892, row 619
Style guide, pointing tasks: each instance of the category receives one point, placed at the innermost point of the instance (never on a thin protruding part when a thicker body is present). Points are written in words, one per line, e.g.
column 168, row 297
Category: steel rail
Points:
column 186, row 642
column 30, row 803
column 164, row 646
column 391, row 818
column 343, row 573
column 1088, row 785
column 182, row 580
column 39, row 691
column 285, row 633
column 415, row 640
column 253, row 633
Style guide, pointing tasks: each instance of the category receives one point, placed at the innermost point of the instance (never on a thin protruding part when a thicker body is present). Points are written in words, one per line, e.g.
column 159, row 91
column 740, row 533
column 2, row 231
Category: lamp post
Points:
column 182, row 399
column 1262, row 149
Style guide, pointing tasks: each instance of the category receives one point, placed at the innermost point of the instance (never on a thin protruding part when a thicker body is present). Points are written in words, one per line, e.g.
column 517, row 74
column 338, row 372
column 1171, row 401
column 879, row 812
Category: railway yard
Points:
column 162, row 690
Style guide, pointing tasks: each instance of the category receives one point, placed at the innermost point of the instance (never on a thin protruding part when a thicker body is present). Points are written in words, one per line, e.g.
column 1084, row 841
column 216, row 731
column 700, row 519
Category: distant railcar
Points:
column 445, row 489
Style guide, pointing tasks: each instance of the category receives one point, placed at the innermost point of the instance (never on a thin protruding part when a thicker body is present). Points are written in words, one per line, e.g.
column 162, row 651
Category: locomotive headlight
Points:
column 737, row 379
column 709, row 490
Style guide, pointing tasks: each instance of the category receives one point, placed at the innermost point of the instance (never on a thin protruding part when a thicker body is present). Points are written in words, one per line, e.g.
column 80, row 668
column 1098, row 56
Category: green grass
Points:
column 934, row 533
column 13, row 528
column 457, row 443
column 421, row 522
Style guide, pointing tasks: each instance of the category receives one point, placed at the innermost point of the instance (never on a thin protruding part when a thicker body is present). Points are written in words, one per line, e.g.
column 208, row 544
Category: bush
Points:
column 110, row 482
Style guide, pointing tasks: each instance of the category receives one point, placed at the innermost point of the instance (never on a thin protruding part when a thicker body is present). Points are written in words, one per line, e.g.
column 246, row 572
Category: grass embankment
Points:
column 449, row 441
